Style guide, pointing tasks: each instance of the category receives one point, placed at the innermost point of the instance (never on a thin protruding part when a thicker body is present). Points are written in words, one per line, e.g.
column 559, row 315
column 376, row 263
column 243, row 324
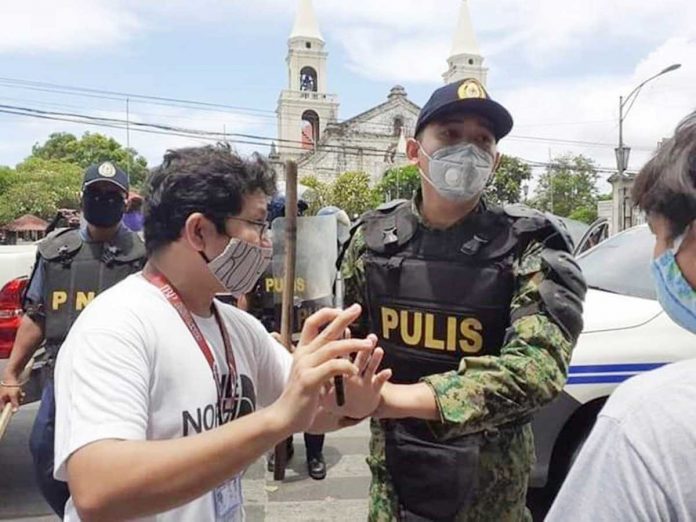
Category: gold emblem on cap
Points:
column 471, row 89
column 107, row 170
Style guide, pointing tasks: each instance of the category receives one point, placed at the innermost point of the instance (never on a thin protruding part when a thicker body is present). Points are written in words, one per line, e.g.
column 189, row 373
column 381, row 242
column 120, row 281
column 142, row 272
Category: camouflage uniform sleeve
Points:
column 532, row 367
column 353, row 273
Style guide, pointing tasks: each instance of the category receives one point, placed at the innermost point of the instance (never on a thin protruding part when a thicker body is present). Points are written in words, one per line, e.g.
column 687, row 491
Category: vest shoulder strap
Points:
column 531, row 224
column 63, row 243
column 389, row 226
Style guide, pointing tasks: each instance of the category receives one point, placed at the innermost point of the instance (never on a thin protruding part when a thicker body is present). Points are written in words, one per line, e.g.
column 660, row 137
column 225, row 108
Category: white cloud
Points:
column 67, row 26
column 409, row 40
column 586, row 109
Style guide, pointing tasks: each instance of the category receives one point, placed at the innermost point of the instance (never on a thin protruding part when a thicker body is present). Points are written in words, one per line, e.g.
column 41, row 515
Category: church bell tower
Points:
column 465, row 59
column 305, row 107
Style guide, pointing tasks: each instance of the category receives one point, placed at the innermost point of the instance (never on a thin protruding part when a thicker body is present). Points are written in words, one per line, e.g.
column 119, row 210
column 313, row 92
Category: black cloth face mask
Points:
column 103, row 209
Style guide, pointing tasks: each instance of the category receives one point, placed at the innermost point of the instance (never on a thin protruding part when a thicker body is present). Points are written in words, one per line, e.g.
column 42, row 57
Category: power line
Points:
column 234, row 109
column 183, row 132
column 211, row 135
column 123, row 95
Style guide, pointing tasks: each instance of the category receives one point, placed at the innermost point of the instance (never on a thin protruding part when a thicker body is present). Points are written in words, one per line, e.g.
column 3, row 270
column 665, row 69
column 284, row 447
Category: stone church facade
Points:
column 309, row 131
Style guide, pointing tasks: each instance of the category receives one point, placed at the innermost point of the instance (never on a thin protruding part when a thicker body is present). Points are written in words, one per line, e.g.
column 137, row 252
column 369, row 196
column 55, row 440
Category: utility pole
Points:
column 128, row 155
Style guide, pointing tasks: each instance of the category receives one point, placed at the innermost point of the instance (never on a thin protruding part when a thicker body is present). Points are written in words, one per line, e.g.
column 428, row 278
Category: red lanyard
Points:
column 161, row 282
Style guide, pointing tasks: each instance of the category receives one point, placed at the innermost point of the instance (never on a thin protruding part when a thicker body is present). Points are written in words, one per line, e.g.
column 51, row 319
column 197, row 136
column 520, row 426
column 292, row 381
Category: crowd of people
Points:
column 463, row 320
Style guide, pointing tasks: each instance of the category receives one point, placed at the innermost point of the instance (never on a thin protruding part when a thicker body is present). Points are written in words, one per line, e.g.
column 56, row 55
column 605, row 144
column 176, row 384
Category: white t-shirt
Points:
column 639, row 462
column 131, row 370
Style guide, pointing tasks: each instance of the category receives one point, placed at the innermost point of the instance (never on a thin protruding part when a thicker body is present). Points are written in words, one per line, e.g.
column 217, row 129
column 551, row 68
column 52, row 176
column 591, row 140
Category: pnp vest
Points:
column 76, row 271
column 436, row 296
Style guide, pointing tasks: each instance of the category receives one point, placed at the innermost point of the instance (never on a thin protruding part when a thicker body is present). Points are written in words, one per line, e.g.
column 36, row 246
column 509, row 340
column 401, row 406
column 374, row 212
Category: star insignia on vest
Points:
column 471, row 89
column 107, row 170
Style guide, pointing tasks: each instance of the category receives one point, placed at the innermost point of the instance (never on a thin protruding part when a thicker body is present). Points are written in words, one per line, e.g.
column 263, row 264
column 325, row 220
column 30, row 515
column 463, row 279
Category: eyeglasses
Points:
column 260, row 226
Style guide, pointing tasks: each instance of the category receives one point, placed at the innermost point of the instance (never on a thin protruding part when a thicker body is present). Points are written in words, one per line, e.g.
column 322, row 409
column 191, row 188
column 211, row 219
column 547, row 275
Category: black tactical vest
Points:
column 76, row 271
column 436, row 296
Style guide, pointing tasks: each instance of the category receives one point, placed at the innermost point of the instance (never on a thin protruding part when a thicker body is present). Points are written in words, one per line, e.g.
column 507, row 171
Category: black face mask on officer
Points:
column 103, row 209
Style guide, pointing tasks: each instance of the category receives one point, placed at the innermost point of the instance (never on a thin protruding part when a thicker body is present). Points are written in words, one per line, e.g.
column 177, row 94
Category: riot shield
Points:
column 315, row 271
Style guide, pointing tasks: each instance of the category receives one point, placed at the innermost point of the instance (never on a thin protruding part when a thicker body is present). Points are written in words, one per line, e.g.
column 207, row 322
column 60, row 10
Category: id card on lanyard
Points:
column 161, row 282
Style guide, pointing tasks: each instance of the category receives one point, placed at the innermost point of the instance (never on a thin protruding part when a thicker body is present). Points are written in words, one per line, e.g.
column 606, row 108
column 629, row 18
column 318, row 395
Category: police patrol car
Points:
column 625, row 334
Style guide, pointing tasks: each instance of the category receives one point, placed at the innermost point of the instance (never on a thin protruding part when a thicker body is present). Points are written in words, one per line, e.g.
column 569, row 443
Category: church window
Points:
column 308, row 45
column 308, row 79
column 471, row 61
column 310, row 130
column 398, row 125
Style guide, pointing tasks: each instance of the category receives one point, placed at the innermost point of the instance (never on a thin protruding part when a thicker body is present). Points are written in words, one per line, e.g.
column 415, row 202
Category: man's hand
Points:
column 363, row 392
column 11, row 392
column 318, row 358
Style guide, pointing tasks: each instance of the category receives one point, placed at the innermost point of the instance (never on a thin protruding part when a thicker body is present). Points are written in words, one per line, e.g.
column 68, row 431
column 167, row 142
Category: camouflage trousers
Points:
column 506, row 460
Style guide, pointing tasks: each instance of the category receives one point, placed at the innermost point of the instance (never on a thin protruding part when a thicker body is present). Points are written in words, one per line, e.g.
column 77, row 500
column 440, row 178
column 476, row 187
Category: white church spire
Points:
column 464, row 38
column 465, row 60
column 306, row 25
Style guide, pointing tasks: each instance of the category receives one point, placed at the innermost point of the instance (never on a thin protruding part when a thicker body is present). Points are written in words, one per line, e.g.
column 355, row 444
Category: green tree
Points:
column 399, row 183
column 351, row 191
column 506, row 185
column 8, row 177
column 568, row 188
column 319, row 195
column 40, row 187
column 32, row 197
column 92, row 148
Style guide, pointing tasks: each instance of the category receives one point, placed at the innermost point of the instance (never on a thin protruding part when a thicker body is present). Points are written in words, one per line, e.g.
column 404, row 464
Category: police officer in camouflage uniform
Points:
column 73, row 266
column 477, row 308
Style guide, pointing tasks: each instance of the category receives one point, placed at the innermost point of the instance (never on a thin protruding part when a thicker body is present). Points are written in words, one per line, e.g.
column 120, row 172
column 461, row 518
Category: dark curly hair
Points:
column 211, row 180
column 666, row 185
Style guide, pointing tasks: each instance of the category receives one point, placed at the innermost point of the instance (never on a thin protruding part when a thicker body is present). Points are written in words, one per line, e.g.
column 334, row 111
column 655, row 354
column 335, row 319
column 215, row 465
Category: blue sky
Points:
column 559, row 66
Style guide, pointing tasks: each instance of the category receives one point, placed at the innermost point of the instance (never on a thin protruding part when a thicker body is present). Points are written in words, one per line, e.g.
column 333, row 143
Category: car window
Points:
column 621, row 264
column 576, row 229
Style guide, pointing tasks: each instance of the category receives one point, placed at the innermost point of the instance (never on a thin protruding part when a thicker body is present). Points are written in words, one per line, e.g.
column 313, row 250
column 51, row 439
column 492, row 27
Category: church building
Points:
column 309, row 129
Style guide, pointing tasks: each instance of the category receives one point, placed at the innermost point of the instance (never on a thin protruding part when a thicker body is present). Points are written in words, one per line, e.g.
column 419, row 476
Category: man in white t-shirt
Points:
column 159, row 387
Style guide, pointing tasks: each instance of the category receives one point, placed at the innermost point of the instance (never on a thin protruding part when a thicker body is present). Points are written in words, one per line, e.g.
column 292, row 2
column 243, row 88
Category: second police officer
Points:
column 477, row 308
column 264, row 303
column 73, row 265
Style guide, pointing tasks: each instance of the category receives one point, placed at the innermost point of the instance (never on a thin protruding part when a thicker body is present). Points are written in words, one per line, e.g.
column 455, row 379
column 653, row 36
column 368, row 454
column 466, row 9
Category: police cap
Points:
column 468, row 97
column 105, row 171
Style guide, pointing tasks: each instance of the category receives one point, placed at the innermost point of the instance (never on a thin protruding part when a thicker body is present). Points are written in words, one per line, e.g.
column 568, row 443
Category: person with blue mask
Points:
column 638, row 463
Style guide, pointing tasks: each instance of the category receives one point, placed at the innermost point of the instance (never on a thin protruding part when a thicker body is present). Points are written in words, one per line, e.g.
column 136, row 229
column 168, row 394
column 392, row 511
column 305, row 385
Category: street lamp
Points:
column 623, row 152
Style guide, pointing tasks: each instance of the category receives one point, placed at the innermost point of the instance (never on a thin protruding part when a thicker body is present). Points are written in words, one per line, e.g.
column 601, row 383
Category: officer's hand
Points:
column 12, row 393
column 363, row 391
column 317, row 359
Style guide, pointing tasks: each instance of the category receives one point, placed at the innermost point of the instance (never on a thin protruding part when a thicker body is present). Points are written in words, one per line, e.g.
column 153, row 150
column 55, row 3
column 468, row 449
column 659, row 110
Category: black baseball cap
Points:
column 465, row 96
column 105, row 171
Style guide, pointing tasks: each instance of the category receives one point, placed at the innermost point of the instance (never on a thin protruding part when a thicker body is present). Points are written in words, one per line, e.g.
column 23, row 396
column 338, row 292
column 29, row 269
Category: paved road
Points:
column 19, row 497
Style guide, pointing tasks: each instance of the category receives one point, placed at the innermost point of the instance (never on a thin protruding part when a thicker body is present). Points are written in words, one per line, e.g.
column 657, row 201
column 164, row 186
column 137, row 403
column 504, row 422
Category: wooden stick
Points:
column 6, row 414
column 286, row 318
